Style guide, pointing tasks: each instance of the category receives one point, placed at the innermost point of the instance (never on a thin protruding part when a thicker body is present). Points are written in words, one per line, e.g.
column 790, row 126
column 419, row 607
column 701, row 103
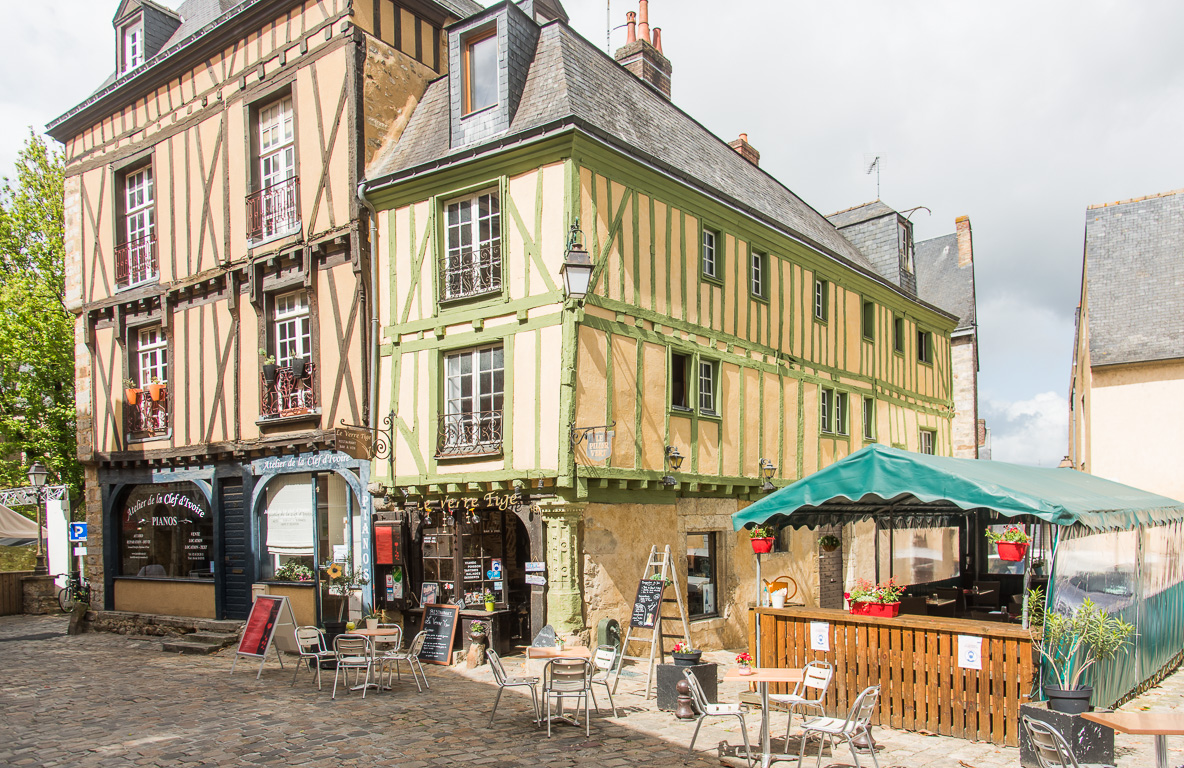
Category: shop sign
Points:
column 472, row 570
column 354, row 441
column 536, row 567
column 537, row 579
column 597, row 442
column 299, row 463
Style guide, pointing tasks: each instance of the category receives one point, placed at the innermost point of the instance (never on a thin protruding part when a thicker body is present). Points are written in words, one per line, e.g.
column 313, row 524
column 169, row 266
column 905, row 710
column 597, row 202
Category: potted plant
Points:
column 293, row 571
column 374, row 618
column 762, row 540
column 1072, row 644
column 1012, row 543
column 830, row 543
column 298, row 366
column 478, row 630
column 868, row 599
column 269, row 367
column 131, row 391
column 156, row 389
column 684, row 655
column 489, row 600
column 745, row 663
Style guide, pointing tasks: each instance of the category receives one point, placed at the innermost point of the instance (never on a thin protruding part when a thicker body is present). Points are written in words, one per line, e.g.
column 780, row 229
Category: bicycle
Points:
column 77, row 590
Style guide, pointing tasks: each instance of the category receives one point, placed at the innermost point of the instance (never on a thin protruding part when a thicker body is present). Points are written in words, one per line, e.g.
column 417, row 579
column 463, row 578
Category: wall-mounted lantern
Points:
column 577, row 265
column 768, row 470
column 673, row 464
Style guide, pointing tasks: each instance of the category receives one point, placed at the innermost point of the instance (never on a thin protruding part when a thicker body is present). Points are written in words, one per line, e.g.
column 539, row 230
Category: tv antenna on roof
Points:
column 874, row 163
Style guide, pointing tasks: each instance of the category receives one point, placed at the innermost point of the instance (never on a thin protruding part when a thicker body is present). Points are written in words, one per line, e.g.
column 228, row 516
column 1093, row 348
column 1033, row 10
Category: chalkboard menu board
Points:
column 648, row 603
column 440, row 623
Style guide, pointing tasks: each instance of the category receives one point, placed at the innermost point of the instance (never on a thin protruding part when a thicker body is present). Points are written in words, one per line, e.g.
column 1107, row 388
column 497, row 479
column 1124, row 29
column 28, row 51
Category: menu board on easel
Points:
column 648, row 603
column 440, row 623
column 270, row 614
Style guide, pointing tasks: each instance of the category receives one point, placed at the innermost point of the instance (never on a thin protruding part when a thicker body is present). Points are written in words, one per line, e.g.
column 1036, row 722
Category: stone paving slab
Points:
column 100, row 700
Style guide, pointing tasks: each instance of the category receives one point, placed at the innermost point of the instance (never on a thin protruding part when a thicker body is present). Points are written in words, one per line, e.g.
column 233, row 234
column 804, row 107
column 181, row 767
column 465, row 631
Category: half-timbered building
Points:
column 219, row 262
column 731, row 339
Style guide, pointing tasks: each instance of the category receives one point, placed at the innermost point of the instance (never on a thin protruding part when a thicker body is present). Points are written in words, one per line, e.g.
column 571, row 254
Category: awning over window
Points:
column 921, row 490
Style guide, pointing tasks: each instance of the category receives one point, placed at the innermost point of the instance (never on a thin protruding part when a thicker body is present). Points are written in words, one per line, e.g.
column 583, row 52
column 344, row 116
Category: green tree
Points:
column 37, row 416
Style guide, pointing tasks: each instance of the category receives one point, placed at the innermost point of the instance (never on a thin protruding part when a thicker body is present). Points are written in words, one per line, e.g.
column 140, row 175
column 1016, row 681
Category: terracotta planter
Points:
column 133, row 395
column 884, row 610
column 156, row 391
column 1012, row 550
column 762, row 546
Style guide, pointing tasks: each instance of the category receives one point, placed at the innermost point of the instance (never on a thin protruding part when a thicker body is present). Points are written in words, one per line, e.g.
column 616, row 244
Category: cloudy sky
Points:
column 1016, row 114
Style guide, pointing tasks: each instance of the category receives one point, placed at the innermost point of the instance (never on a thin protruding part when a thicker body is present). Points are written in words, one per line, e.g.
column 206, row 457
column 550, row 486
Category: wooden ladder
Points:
column 658, row 565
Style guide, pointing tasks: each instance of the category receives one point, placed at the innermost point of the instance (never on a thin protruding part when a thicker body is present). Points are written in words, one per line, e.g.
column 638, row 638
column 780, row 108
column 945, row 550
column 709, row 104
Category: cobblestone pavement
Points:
column 110, row 700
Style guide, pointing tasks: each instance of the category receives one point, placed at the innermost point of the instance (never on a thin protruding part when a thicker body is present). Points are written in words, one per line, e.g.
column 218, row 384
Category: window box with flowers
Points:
column 1012, row 543
column 869, row 599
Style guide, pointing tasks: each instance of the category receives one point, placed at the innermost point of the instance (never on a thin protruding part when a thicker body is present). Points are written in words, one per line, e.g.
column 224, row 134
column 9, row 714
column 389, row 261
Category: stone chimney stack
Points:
column 746, row 150
column 642, row 55
column 965, row 242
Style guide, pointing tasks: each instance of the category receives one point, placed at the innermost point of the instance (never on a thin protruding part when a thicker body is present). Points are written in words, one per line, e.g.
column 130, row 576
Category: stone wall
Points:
column 964, row 366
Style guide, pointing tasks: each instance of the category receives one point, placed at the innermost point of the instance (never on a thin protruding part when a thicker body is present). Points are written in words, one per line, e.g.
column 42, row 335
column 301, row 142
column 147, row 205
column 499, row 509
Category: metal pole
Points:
column 39, row 566
column 760, row 591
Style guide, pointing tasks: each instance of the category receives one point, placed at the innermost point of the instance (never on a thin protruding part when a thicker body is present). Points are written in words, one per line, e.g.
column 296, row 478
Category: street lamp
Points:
column 673, row 464
column 768, row 469
column 577, row 265
column 37, row 475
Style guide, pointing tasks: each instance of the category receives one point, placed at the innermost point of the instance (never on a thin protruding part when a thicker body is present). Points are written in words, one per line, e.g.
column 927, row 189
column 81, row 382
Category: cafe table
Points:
column 762, row 676
column 373, row 633
column 1158, row 724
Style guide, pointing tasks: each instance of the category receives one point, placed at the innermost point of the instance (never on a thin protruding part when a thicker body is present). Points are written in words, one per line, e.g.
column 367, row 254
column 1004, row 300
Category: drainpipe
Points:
column 372, row 389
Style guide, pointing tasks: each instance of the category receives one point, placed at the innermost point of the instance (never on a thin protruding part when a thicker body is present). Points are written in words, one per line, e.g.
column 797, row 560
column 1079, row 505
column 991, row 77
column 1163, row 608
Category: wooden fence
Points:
column 12, row 597
column 914, row 660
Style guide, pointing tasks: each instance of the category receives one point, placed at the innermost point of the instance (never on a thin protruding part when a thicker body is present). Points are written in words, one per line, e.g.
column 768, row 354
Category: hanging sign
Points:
column 537, row 579
column 970, row 652
column 536, row 567
column 819, row 636
column 355, row 442
column 597, row 443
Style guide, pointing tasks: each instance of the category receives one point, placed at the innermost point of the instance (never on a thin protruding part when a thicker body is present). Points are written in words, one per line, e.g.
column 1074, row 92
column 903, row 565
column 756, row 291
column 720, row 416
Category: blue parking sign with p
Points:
column 77, row 531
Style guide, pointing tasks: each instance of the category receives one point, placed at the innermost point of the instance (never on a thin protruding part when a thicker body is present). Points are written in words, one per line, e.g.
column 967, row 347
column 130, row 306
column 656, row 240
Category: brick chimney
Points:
column 746, row 150
column 965, row 242
column 642, row 55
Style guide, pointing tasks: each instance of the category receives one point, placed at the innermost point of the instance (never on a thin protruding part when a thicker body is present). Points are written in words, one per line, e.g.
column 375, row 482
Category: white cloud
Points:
column 1033, row 431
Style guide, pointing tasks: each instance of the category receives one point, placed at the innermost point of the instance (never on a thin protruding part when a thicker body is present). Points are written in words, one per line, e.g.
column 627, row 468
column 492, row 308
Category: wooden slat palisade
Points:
column 913, row 659
column 12, row 597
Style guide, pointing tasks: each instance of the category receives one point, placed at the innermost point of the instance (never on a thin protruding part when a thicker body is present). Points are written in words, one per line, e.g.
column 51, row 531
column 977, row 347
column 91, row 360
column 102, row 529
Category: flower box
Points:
column 1013, row 551
column 861, row 609
column 884, row 610
column 762, row 546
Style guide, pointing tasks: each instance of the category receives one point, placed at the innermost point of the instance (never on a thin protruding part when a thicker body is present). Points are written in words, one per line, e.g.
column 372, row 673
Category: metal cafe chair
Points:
column 411, row 656
column 602, row 661
column 352, row 652
column 706, row 709
column 504, row 681
column 384, row 646
column 817, row 675
column 311, row 644
column 569, row 679
column 1052, row 751
column 855, row 724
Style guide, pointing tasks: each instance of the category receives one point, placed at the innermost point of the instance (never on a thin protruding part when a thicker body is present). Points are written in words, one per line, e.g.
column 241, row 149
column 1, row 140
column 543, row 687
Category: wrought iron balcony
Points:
column 274, row 210
column 470, row 434
column 471, row 272
column 135, row 262
column 147, row 417
column 289, row 394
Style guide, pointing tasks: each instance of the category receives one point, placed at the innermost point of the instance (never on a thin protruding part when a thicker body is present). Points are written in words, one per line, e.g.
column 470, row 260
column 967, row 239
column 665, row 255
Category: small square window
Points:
column 680, row 384
column 480, row 74
column 925, row 347
column 759, row 267
column 821, row 299
column 825, row 397
column 869, row 320
column 928, row 441
column 898, row 334
column 710, row 265
column 708, row 375
column 869, row 418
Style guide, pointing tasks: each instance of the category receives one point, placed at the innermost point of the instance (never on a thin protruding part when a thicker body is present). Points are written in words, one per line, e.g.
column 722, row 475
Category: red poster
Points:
column 384, row 544
column 260, row 625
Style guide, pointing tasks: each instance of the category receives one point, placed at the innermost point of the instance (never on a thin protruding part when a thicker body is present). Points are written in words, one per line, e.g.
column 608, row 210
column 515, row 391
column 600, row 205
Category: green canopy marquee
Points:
column 915, row 489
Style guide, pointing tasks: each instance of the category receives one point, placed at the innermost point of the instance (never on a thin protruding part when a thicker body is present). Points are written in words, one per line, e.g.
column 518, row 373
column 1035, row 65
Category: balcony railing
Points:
column 274, row 211
column 288, row 394
column 135, row 262
column 470, row 434
column 147, row 417
column 471, row 272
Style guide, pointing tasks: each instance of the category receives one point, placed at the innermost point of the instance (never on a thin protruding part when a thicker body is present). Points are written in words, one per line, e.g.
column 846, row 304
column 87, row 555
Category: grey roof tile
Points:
column 941, row 282
column 860, row 213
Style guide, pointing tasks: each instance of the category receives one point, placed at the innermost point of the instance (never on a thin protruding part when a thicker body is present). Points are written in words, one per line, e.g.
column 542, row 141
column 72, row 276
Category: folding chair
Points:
column 504, row 681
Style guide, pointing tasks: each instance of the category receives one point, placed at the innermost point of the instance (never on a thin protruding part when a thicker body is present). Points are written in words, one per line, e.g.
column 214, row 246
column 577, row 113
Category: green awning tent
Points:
column 918, row 489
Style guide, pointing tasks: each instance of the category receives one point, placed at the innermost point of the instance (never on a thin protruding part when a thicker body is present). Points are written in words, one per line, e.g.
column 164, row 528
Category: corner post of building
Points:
column 565, row 600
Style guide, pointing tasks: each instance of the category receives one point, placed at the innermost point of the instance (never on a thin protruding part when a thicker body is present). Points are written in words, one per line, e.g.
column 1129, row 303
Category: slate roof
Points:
column 571, row 82
column 1134, row 261
column 940, row 281
column 859, row 214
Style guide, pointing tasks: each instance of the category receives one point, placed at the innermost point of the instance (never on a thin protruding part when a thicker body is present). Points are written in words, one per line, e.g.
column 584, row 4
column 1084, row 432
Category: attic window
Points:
column 133, row 45
column 480, row 70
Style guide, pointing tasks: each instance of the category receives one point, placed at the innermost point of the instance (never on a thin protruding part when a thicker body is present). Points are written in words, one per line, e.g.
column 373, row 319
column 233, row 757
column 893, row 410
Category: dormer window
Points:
column 480, row 71
column 133, row 45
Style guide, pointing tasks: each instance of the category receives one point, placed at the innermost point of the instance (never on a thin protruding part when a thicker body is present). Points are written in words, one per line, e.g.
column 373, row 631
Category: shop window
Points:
column 135, row 255
column 480, row 70
column 273, row 209
column 821, row 300
column 470, row 554
column 474, row 390
column 702, row 587
column 680, row 381
column 472, row 263
column 928, row 441
column 710, row 268
column 167, row 531
column 708, row 380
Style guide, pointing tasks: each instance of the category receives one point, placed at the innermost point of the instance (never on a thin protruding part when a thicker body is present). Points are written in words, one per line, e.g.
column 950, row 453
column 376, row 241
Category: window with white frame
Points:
column 136, row 255
column 710, row 237
column 758, row 269
column 273, row 210
column 708, row 374
column 474, row 389
column 293, row 336
column 133, row 45
column 825, row 398
column 928, row 441
column 472, row 247
column 152, row 355
column 840, row 421
column 821, row 299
